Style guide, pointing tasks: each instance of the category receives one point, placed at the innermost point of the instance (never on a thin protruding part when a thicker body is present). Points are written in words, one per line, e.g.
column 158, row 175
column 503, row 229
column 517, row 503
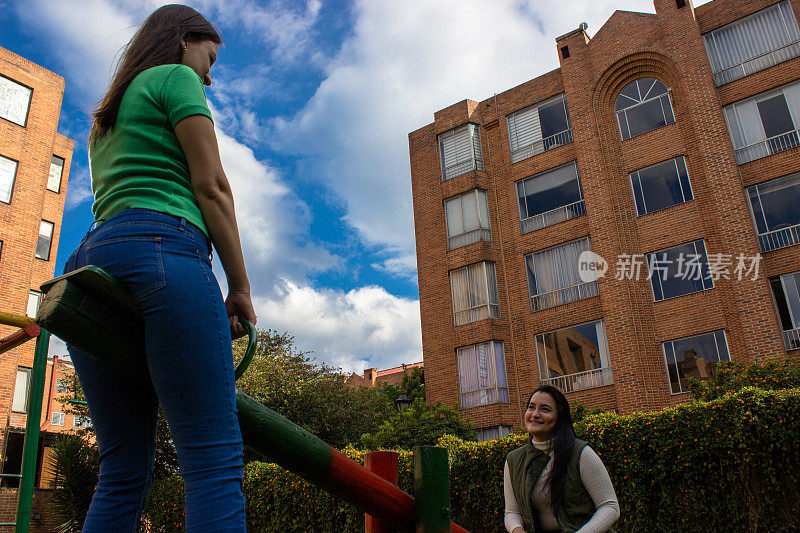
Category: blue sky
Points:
column 313, row 101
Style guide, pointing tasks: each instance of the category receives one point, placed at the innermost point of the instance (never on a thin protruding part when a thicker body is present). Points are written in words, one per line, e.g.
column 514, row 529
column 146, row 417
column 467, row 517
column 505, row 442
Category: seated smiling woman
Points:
column 556, row 482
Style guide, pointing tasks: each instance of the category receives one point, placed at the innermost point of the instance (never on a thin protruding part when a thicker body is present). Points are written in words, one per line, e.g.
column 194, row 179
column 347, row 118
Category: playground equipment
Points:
column 90, row 310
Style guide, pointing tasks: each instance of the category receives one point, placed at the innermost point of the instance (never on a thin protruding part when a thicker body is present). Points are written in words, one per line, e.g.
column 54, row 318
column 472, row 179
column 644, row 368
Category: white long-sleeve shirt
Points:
column 594, row 477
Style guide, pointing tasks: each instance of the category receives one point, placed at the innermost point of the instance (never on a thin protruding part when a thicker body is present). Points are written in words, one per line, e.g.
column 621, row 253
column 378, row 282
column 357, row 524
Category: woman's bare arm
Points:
column 196, row 136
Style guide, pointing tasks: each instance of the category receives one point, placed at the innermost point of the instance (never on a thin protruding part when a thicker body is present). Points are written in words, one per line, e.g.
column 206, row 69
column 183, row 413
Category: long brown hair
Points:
column 157, row 42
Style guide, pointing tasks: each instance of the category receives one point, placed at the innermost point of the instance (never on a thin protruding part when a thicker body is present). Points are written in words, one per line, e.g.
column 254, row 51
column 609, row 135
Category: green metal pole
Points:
column 31, row 447
column 431, row 490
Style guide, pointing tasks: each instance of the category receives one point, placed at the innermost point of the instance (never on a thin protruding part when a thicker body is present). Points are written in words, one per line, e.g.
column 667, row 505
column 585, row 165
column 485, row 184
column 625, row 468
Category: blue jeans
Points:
column 165, row 263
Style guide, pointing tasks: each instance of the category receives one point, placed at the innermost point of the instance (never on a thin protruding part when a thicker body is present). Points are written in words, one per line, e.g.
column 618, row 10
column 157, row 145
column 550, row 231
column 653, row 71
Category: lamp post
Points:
column 402, row 402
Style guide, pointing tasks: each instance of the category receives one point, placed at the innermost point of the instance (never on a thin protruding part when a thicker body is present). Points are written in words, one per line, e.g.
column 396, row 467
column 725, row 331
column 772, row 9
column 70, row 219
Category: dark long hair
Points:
column 157, row 42
column 562, row 443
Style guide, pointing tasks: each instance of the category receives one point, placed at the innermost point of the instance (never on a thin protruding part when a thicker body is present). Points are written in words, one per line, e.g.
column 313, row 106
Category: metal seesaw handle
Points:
column 252, row 341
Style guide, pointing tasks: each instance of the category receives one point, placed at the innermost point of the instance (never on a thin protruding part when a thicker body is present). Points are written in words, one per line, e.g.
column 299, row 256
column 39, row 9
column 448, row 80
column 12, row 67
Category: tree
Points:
column 420, row 424
column 412, row 385
column 310, row 394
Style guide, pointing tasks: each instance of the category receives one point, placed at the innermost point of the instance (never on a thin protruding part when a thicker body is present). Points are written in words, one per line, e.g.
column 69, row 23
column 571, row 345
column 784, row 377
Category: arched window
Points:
column 642, row 106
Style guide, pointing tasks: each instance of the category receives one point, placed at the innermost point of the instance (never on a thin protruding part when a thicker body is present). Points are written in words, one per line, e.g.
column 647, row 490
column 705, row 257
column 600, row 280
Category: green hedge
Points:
column 731, row 464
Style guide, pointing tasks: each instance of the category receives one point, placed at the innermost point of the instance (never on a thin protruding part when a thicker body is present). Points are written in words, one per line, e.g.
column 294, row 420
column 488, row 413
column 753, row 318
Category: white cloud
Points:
column 362, row 327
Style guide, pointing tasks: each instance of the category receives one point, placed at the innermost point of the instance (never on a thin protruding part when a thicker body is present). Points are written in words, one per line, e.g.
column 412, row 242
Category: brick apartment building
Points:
column 34, row 167
column 372, row 377
column 668, row 143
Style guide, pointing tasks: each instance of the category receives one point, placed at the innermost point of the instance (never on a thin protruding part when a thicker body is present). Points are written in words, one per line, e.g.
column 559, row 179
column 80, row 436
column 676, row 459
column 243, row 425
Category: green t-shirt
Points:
column 139, row 162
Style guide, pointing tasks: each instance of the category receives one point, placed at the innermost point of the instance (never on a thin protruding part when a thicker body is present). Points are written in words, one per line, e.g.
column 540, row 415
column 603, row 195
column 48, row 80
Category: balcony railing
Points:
column 780, row 238
column 761, row 62
column 484, row 396
column 543, row 145
column 554, row 216
column 773, row 145
column 791, row 339
column 479, row 312
column 582, row 380
column 462, row 167
column 480, row 234
column 563, row 296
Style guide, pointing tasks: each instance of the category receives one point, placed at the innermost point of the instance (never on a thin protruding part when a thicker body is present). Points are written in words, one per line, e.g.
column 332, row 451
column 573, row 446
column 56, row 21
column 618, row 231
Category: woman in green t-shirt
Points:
column 161, row 200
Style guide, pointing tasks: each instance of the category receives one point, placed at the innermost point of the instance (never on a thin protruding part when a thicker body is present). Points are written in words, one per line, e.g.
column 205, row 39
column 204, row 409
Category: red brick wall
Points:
column 668, row 46
column 33, row 146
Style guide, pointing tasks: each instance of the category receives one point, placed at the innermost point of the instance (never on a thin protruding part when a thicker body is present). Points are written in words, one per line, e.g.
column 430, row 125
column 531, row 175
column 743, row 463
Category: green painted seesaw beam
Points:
column 90, row 310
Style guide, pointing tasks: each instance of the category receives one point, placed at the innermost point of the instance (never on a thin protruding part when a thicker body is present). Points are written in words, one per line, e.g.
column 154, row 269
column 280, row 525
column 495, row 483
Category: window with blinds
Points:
column 8, row 175
column 43, row 243
column 549, row 198
column 553, row 277
column 694, row 357
column 15, row 101
column 492, row 433
column 765, row 124
column 754, row 43
column 538, row 128
column 54, row 177
column 474, row 292
column 57, row 419
column 33, row 303
column 774, row 205
column 786, row 291
column 467, row 219
column 574, row 358
column 482, row 374
column 460, row 151
column 20, row 402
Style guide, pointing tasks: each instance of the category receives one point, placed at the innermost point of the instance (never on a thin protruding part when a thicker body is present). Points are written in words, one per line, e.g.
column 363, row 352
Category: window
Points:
column 12, row 462
column 57, row 419
column 8, row 174
column 550, row 197
column 492, row 433
column 785, row 290
column 694, row 357
column 56, row 170
column 538, row 128
column 82, row 422
column 33, row 303
column 460, row 151
column 774, row 207
column 660, row 186
column 679, row 270
column 553, row 275
column 754, row 43
column 482, row 374
column 474, row 291
column 62, row 386
column 467, row 219
column 642, row 106
column 44, row 241
column 574, row 358
column 765, row 124
column 15, row 100
column 20, row 402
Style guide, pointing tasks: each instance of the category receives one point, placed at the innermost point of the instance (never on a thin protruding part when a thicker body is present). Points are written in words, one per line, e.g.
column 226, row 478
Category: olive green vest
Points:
column 525, row 465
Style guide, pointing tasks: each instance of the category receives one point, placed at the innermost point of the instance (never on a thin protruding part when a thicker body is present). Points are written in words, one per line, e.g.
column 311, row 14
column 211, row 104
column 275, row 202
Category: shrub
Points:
column 74, row 469
column 726, row 465
column 774, row 374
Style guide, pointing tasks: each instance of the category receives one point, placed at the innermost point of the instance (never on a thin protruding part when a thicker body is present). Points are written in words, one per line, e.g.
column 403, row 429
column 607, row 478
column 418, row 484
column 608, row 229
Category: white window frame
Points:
column 44, row 225
column 529, row 223
column 490, row 306
column 22, row 389
column 481, row 232
column 525, row 123
column 649, row 261
column 786, row 49
column 646, row 99
column 502, row 430
column 493, row 394
column 13, row 89
column 56, row 173
column 716, row 344
column 677, row 176
column 773, row 239
column 460, row 151
column 34, row 298
column 57, row 419
column 561, row 295
column 81, row 422
column 9, row 166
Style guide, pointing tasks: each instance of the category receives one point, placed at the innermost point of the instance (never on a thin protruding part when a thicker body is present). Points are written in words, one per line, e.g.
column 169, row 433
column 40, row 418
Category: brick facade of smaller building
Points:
column 34, row 168
column 634, row 325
